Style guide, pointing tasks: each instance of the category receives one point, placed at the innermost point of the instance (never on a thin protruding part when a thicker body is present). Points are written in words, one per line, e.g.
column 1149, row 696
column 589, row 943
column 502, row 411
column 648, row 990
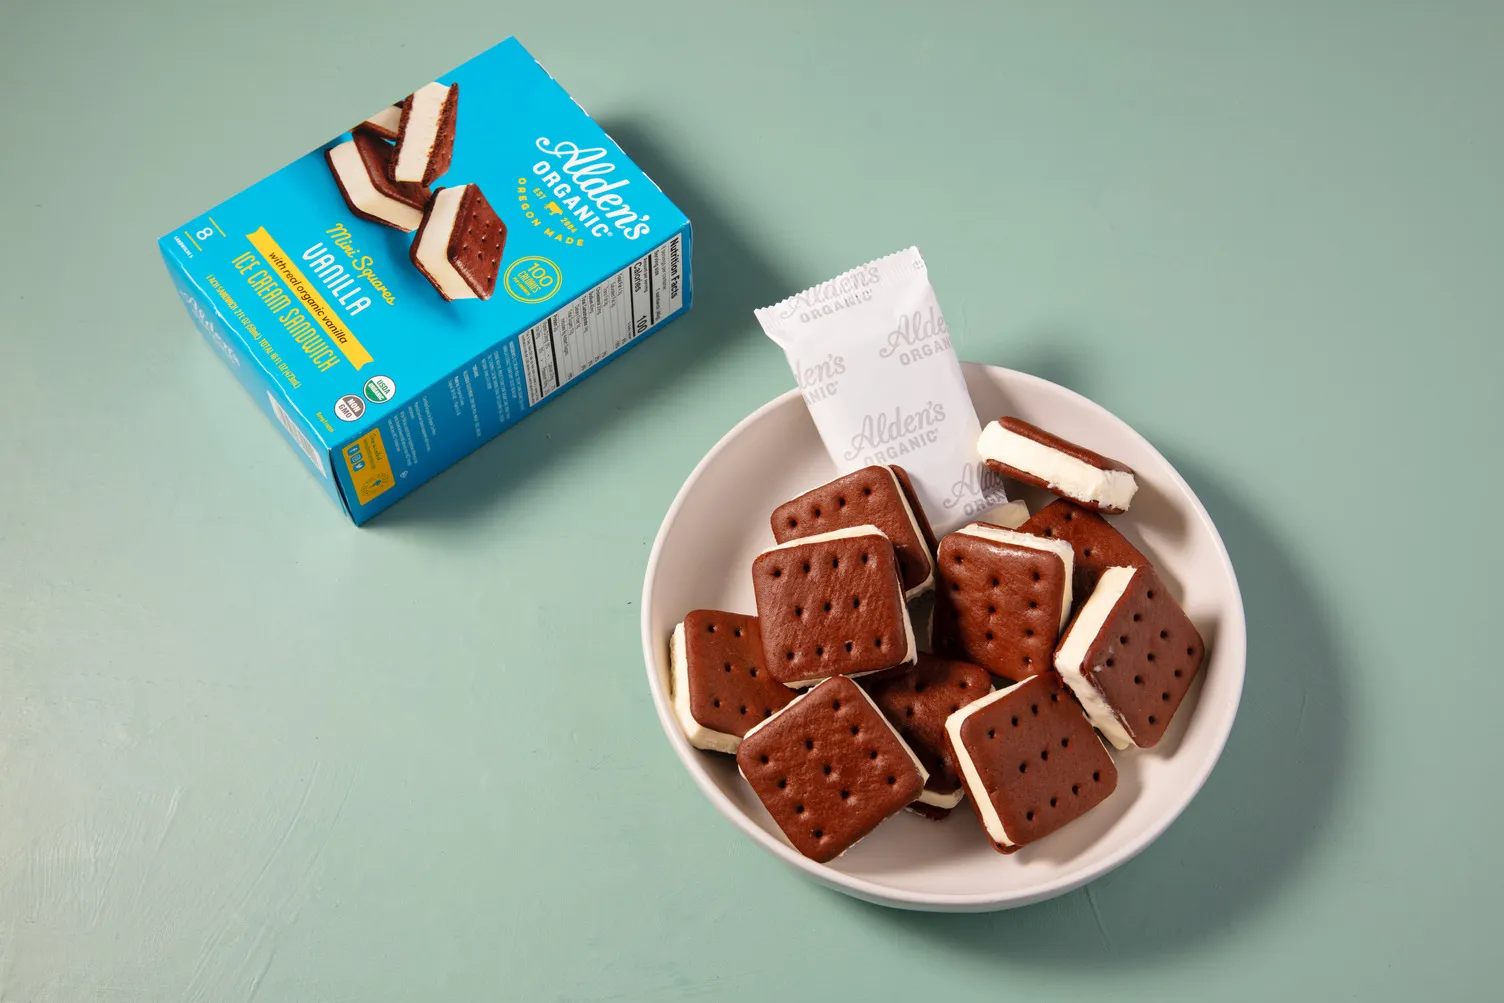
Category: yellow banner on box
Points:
column 369, row 466
column 322, row 313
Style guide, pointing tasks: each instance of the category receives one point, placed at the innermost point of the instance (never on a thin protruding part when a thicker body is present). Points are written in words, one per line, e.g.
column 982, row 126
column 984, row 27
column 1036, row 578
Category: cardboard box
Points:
column 331, row 322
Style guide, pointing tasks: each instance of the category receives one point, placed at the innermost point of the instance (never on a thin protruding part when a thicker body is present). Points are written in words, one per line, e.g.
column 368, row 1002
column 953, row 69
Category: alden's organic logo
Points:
column 979, row 488
column 574, row 197
column 887, row 435
column 840, row 293
column 918, row 335
column 819, row 380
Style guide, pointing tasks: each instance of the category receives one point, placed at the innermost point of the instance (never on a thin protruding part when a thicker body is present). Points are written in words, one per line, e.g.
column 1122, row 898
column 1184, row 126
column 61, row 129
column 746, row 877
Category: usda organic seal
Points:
column 380, row 389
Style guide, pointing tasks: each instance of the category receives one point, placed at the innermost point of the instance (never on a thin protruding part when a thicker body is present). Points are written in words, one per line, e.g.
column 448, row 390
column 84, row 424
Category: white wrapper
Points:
column 872, row 356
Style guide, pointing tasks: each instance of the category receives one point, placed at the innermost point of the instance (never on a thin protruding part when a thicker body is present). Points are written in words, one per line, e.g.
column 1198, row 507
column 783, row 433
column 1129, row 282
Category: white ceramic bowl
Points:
column 702, row 559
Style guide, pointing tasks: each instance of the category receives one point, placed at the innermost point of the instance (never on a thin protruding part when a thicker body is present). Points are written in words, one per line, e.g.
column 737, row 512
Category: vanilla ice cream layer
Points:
column 388, row 119
column 923, row 773
column 950, row 800
column 1064, row 474
column 973, row 780
column 1072, row 651
column 1009, row 515
column 1049, row 545
column 834, row 534
column 699, row 736
column 908, row 510
column 416, row 144
column 433, row 248
column 908, row 625
column 352, row 174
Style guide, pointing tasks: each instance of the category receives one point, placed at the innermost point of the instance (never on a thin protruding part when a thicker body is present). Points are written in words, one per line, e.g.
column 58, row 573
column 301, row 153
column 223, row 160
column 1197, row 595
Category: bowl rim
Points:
column 885, row 894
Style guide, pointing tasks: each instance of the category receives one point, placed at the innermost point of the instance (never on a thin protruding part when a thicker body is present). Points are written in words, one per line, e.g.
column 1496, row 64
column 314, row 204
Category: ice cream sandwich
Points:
column 832, row 604
column 917, row 703
column 1096, row 543
column 385, row 124
column 425, row 133
column 1029, row 761
column 1025, row 452
column 1008, row 515
column 1130, row 655
column 870, row 496
column 459, row 243
column 907, row 483
column 1001, row 598
column 717, row 681
column 359, row 166
column 829, row 768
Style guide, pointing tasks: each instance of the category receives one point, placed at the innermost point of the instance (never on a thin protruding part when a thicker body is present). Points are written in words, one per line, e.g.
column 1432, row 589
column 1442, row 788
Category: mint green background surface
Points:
column 248, row 752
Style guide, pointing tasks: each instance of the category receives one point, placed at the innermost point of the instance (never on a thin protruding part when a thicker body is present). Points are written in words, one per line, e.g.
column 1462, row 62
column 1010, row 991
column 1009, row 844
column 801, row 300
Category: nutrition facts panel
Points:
column 585, row 331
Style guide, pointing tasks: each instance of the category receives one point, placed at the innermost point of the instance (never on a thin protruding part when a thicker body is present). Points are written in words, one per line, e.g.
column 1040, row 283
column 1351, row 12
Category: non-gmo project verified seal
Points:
column 379, row 389
column 349, row 408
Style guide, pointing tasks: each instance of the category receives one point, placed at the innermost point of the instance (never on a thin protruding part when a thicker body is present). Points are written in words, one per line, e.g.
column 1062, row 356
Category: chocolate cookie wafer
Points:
column 1001, row 598
column 832, row 604
column 871, row 496
column 1130, row 655
column 829, row 768
column 718, row 684
column 458, row 245
column 1029, row 760
column 1096, row 543
column 917, row 703
column 907, row 483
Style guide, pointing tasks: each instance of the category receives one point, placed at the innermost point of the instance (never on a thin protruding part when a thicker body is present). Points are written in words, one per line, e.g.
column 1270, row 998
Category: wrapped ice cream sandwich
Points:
column 872, row 356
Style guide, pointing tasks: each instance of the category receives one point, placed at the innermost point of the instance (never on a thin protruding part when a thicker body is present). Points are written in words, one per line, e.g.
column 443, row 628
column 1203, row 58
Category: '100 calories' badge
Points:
column 533, row 279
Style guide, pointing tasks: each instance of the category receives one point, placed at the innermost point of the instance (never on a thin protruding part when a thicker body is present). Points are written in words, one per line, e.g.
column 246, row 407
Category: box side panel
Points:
column 203, row 306
column 432, row 430
column 612, row 316
column 497, row 388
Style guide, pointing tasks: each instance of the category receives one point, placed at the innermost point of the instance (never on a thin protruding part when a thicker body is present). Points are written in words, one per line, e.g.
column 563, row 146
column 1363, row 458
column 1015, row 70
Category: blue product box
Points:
column 335, row 324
